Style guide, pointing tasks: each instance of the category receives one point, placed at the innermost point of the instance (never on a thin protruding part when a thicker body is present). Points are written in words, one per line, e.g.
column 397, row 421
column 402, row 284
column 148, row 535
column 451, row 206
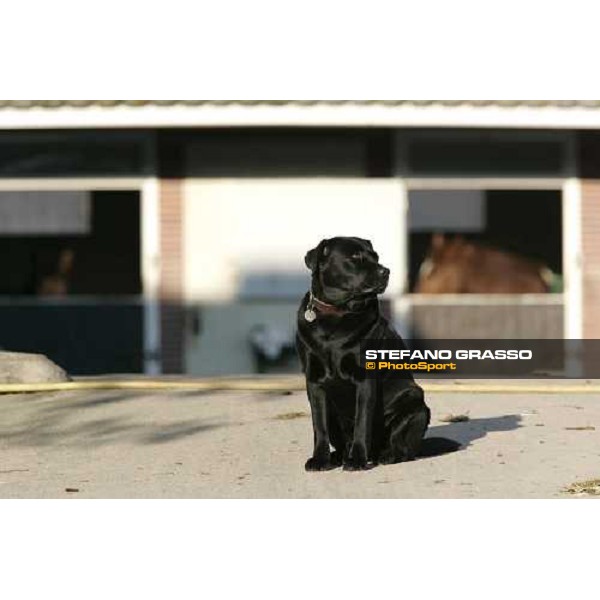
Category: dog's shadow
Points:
column 466, row 432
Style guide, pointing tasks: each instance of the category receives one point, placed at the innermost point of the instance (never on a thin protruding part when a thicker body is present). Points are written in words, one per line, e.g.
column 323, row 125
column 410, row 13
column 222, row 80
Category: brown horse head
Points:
column 458, row 266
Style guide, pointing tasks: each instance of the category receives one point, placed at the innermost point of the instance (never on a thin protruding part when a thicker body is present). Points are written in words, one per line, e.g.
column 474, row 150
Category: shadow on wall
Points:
column 107, row 337
column 241, row 337
column 255, row 333
column 252, row 333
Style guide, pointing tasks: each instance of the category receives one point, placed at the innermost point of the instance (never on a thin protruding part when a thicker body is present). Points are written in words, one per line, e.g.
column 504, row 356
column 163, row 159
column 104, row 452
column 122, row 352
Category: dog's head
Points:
column 346, row 269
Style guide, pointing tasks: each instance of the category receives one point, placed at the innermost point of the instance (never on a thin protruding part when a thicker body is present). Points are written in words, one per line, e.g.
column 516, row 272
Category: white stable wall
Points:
column 245, row 241
column 233, row 228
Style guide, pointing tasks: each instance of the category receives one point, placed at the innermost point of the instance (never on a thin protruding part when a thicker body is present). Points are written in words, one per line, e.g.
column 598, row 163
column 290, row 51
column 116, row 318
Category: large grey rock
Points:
column 18, row 367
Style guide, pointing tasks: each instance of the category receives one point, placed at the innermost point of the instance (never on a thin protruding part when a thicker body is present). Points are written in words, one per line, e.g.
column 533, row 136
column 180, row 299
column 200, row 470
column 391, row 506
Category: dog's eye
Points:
column 357, row 256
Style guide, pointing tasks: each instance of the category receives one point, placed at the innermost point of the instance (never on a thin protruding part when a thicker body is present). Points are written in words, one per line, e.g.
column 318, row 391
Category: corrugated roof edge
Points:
column 62, row 104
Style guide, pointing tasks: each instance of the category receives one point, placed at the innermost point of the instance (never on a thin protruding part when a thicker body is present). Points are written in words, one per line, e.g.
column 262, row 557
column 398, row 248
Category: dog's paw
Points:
column 386, row 458
column 319, row 464
column 356, row 464
column 357, row 461
column 337, row 458
column 391, row 458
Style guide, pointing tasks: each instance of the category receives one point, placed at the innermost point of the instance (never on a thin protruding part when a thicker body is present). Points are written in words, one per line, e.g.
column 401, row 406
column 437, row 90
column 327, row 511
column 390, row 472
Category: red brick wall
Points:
column 589, row 162
column 171, row 172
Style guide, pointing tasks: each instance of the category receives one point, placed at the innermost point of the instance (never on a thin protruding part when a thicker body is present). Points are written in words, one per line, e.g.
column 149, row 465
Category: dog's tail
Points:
column 434, row 446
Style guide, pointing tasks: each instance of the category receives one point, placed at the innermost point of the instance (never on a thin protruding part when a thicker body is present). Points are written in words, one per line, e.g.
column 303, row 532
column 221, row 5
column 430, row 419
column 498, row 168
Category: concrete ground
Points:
column 182, row 444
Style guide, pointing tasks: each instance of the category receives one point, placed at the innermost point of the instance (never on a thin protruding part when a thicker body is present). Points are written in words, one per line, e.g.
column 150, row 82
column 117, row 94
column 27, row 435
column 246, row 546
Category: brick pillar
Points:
column 172, row 315
column 589, row 167
column 591, row 257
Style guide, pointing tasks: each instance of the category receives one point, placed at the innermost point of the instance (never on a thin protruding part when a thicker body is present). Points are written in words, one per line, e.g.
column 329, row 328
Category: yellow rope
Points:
column 494, row 388
column 284, row 384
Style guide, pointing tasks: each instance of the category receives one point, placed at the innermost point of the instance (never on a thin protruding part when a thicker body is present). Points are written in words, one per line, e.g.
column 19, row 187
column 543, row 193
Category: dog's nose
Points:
column 383, row 271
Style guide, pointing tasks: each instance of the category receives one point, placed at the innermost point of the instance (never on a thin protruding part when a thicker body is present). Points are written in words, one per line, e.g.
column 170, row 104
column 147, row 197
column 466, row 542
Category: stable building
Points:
column 169, row 236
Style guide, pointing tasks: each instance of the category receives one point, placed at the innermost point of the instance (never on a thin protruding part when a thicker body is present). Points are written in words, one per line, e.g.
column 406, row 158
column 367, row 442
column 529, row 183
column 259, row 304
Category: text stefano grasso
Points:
column 460, row 354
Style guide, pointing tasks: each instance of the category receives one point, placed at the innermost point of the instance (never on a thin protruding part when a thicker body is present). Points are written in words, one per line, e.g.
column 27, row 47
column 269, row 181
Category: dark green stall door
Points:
column 84, row 340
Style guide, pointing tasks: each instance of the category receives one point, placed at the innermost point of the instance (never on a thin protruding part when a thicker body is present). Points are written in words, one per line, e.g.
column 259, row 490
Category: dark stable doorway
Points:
column 76, row 297
column 526, row 222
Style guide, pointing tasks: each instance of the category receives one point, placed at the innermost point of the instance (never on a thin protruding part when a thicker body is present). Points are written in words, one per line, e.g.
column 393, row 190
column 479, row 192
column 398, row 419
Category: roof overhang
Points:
column 302, row 115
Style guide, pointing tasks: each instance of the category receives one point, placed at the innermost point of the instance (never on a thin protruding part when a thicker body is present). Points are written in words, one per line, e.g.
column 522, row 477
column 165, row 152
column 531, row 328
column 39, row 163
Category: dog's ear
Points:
column 312, row 256
column 362, row 240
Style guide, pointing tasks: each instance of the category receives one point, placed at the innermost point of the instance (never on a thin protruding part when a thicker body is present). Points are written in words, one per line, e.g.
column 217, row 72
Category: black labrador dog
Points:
column 366, row 421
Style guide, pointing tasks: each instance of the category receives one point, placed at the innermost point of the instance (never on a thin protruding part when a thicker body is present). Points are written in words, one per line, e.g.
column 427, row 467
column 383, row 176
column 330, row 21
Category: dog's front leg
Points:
column 321, row 458
column 359, row 451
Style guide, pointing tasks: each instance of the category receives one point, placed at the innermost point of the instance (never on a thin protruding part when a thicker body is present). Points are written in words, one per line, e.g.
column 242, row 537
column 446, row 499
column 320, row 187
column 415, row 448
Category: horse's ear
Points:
column 312, row 256
column 469, row 249
column 437, row 241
